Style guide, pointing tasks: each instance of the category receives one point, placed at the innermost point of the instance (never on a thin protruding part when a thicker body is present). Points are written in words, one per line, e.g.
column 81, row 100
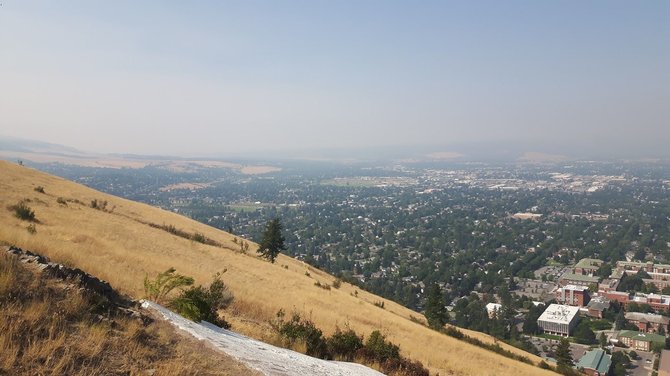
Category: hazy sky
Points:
column 188, row 77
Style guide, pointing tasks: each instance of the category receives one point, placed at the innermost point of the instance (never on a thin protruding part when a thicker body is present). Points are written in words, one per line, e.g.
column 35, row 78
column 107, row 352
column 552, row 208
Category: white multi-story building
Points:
column 558, row 319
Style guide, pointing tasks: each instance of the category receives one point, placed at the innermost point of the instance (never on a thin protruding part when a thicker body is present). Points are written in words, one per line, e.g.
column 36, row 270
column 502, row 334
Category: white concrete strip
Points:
column 268, row 359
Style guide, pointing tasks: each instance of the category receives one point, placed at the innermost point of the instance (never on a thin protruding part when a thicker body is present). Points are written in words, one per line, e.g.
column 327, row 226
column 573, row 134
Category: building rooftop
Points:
column 558, row 313
column 609, row 283
column 639, row 336
column 598, row 303
column 575, row 288
column 620, row 293
column 491, row 307
column 597, row 360
column 579, row 277
column 637, row 264
column 647, row 317
column 588, row 263
column 644, row 298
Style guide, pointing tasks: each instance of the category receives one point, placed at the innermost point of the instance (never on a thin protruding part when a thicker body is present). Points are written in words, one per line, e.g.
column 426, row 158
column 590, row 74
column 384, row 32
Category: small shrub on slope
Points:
column 23, row 211
column 158, row 288
column 345, row 344
column 202, row 304
column 297, row 330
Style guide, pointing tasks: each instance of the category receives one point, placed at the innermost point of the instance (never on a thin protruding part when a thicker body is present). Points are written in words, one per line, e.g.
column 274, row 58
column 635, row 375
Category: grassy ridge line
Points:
column 115, row 247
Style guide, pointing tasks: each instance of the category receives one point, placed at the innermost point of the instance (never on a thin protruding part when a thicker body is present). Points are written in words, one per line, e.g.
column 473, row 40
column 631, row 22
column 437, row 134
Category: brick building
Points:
column 640, row 341
column 573, row 295
column 648, row 322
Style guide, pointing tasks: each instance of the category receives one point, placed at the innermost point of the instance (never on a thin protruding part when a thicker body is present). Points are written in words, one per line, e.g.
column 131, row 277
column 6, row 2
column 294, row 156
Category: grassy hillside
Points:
column 119, row 244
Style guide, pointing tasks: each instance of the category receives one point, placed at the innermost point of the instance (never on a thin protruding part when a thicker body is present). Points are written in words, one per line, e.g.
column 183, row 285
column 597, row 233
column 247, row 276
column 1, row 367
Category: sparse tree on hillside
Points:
column 273, row 240
column 436, row 313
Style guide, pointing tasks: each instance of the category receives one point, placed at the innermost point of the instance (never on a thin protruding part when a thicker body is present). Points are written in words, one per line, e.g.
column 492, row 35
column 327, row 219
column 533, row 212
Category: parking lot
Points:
column 642, row 366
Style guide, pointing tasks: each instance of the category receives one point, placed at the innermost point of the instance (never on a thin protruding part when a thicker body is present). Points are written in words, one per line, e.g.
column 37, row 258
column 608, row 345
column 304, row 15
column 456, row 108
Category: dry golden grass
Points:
column 46, row 329
column 117, row 247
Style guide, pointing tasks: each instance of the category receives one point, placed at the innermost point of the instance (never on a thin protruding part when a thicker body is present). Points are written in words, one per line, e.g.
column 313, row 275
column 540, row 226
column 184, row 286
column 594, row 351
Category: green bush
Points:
column 379, row 348
column 297, row 329
column 192, row 304
column 99, row 205
column 23, row 212
column 219, row 297
column 345, row 344
column 324, row 286
column 198, row 237
column 202, row 304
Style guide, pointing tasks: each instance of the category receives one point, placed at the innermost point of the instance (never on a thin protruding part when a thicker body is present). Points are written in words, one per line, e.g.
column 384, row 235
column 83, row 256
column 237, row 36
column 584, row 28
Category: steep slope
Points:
column 124, row 242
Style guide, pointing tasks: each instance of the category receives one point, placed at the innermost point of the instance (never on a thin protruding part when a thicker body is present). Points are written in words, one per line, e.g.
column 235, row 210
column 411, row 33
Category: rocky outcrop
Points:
column 72, row 275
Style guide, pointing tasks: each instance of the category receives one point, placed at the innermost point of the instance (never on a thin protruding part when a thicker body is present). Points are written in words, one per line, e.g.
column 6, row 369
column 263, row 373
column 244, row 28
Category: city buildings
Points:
column 558, row 319
column 658, row 303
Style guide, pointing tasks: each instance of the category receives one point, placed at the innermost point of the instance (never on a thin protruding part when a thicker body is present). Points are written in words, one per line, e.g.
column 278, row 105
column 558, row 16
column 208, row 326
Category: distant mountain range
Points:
column 44, row 152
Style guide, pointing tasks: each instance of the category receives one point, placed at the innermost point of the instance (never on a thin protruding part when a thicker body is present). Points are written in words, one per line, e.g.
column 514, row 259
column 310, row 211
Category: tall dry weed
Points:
column 8, row 270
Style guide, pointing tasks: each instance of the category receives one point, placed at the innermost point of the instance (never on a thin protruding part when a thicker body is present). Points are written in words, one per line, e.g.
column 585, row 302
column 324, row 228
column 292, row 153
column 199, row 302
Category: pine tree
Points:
column 563, row 354
column 436, row 313
column 273, row 240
